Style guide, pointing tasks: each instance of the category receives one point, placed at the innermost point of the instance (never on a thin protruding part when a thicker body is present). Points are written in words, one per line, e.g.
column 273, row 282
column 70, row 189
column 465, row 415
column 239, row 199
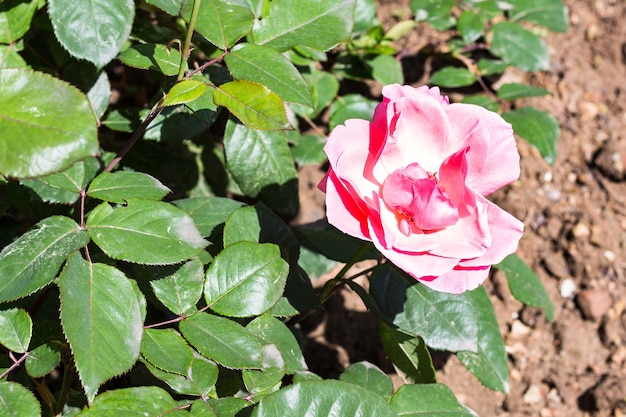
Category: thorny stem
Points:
column 176, row 320
column 208, row 64
column 16, row 363
column 184, row 54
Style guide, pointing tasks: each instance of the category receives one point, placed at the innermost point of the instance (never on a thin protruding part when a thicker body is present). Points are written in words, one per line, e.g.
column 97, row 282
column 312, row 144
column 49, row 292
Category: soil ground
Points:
column 575, row 237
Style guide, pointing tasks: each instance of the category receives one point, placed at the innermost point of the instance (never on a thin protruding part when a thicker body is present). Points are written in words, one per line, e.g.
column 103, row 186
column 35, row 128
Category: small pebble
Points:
column 609, row 255
column 594, row 304
column 518, row 330
column 580, row 231
column 568, row 288
column 533, row 394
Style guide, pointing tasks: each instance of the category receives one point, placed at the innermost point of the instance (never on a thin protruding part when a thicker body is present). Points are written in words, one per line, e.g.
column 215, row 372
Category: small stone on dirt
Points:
column 610, row 160
column 533, row 394
column 593, row 304
column 568, row 288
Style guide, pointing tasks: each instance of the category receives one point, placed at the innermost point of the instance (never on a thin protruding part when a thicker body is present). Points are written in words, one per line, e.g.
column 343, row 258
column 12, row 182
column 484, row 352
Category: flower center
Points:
column 418, row 201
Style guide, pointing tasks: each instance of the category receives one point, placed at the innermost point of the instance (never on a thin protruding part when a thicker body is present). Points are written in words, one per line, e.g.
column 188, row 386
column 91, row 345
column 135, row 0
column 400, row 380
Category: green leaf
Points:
column 254, row 104
column 66, row 186
column 370, row 377
column 332, row 243
column 33, row 260
column 309, row 150
column 15, row 18
column 324, row 88
column 519, row 47
column 120, row 186
column 552, row 14
column 145, row 232
column 219, row 407
column 512, row 91
column 470, row 25
column 269, row 67
column 364, row 16
column 489, row 364
column 16, row 329
column 208, row 212
column 482, row 100
column 433, row 400
column 135, row 401
column 39, row 136
column 199, row 379
column 181, row 291
column 351, row 106
column 322, row 399
column 245, row 279
column 385, row 69
column 453, row 77
column 436, row 12
column 269, row 379
column 223, row 340
column 151, row 56
column 408, row 354
column 42, row 360
column 172, row 7
column 525, row 285
column 184, row 91
column 445, row 321
column 167, row 350
column 10, row 58
column 17, row 401
column 320, row 24
column 94, row 30
column 222, row 22
column 262, row 166
column 538, row 127
column 276, row 332
column 102, row 320
column 491, row 66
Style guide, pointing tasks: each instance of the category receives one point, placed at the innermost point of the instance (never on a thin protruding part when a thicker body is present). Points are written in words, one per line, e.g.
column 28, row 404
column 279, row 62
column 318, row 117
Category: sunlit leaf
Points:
column 368, row 376
column 121, row 186
column 272, row 330
column 102, row 320
column 37, row 135
column 222, row 22
column 17, row 401
column 320, row 24
column 408, row 354
column 15, row 18
column 433, row 400
column 184, row 91
column 519, row 47
column 16, row 329
column 181, row 291
column 254, row 104
column 94, row 30
column 33, row 260
column 145, row 232
column 453, row 77
column 552, row 14
column 512, row 91
column 538, row 127
column 167, row 350
column 135, row 401
column 151, row 56
column 42, row 360
column 208, row 212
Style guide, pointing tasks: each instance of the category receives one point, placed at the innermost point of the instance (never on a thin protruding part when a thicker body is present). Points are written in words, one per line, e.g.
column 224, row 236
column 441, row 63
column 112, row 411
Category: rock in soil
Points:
column 594, row 304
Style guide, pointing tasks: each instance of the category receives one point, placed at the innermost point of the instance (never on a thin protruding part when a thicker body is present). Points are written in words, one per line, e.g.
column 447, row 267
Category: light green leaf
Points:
column 208, row 212
column 42, row 360
column 262, row 166
column 254, row 104
column 16, row 329
column 276, row 332
column 99, row 94
column 385, row 69
column 322, row 399
column 151, row 56
column 219, row 407
column 512, row 91
column 33, row 260
column 269, row 379
column 200, row 378
column 267, row 66
column 470, row 25
column 351, row 106
column 65, row 186
column 483, row 101
column 552, row 14
column 433, row 400
column 445, row 321
column 436, row 12
column 408, row 354
column 10, row 58
column 135, row 401
column 121, row 186
column 245, row 279
column 538, row 127
column 324, row 87
column 38, row 136
column 184, row 91
column 181, row 291
column 17, row 401
column 223, row 340
column 452, row 77
column 171, row 7
column 491, row 66
column 15, row 18
column 94, row 30
column 525, row 285
column 145, row 232
column 519, row 47
column 309, row 150
column 489, row 364
column 102, row 320
column 222, row 22
column 320, row 24
column 167, row 350
column 368, row 376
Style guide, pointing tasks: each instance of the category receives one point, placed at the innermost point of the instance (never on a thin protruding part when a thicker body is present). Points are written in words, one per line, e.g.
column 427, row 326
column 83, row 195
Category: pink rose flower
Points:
column 413, row 182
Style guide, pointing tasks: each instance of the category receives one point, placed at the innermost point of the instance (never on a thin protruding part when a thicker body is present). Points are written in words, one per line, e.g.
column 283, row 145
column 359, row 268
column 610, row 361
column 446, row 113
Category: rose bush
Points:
column 414, row 180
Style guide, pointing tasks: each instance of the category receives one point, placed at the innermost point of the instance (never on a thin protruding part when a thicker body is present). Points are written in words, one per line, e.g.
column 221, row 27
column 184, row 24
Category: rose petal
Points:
column 458, row 280
column 343, row 211
column 493, row 159
column 506, row 231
